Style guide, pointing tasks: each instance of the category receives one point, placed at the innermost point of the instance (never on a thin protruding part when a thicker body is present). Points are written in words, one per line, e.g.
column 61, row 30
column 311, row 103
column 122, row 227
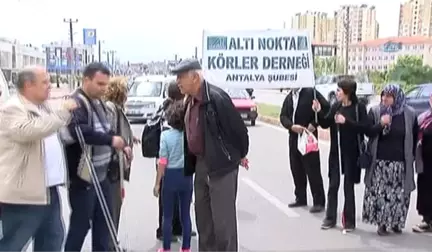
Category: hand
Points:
column 316, row 106
column 311, row 128
column 70, row 104
column 118, row 142
column 136, row 140
column 156, row 190
column 128, row 152
column 385, row 120
column 245, row 163
column 297, row 128
column 339, row 118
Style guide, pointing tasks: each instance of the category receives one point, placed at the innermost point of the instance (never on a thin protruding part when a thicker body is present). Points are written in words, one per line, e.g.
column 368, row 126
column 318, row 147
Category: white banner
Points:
column 258, row 59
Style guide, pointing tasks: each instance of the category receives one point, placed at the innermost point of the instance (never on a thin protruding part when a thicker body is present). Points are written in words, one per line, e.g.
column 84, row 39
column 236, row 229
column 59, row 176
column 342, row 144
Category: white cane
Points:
column 340, row 170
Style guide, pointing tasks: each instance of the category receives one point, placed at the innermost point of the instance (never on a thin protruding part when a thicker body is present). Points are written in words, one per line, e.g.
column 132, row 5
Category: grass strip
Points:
column 268, row 110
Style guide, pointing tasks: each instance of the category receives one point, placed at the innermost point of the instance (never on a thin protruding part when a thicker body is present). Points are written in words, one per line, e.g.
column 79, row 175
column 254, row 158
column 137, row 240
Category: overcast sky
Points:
column 145, row 30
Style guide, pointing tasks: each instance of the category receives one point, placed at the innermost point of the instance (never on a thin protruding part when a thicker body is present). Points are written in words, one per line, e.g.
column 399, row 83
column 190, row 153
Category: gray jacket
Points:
column 410, row 124
column 121, row 126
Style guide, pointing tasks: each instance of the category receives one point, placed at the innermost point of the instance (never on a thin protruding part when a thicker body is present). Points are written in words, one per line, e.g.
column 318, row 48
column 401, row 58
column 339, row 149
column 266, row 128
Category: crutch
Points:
column 99, row 193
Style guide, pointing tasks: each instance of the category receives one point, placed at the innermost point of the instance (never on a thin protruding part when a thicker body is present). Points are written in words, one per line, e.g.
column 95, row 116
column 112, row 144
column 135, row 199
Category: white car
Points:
column 327, row 86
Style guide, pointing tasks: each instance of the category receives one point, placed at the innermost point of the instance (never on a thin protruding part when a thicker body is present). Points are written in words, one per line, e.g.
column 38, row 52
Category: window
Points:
column 146, row 89
column 413, row 93
column 426, row 91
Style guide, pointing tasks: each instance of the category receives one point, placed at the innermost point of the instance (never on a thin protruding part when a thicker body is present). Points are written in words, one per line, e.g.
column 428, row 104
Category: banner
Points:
column 258, row 59
column 89, row 36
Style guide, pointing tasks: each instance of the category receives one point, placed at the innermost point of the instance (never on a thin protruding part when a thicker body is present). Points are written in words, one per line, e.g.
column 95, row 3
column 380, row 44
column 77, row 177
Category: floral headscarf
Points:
column 399, row 102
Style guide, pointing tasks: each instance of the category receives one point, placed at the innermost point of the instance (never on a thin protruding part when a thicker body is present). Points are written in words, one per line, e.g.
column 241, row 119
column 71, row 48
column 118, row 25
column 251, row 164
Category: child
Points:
column 175, row 184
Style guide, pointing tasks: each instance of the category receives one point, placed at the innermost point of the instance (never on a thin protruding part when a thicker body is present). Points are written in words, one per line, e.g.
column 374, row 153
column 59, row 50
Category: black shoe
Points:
column 316, row 209
column 382, row 231
column 328, row 224
column 396, row 230
column 297, row 204
column 349, row 228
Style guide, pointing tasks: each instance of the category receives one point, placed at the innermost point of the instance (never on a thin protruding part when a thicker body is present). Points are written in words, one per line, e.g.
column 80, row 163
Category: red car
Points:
column 244, row 104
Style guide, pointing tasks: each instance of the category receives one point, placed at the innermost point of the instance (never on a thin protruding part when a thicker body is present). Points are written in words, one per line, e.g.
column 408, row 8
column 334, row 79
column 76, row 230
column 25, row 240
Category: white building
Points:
column 14, row 56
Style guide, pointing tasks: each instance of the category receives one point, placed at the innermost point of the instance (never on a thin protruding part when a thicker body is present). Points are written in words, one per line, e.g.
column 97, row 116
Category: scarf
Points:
column 398, row 105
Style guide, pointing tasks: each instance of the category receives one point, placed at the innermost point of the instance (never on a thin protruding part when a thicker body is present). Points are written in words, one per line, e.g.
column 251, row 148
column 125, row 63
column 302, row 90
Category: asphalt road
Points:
column 265, row 222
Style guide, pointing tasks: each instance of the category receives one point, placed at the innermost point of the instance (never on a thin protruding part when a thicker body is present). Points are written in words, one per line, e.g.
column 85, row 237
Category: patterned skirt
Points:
column 385, row 202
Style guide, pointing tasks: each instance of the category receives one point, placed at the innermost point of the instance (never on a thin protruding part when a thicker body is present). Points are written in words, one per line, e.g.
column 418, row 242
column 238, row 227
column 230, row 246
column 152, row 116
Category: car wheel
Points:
column 253, row 123
column 332, row 99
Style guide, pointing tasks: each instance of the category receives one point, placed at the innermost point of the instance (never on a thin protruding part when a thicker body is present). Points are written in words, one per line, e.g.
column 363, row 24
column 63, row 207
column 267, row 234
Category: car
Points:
column 419, row 96
column 244, row 104
column 145, row 96
column 327, row 86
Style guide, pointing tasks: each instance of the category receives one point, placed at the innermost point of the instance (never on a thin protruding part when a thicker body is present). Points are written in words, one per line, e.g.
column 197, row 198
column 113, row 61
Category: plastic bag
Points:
column 307, row 143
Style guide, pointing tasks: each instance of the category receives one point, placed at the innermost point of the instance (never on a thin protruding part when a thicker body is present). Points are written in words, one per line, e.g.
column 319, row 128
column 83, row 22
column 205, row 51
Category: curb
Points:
column 322, row 133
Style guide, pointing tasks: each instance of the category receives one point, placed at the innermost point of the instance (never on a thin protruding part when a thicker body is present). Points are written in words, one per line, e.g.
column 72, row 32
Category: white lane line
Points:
column 280, row 129
column 270, row 198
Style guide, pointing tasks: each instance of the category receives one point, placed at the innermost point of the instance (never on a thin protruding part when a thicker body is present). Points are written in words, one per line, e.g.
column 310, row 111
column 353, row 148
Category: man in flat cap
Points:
column 216, row 143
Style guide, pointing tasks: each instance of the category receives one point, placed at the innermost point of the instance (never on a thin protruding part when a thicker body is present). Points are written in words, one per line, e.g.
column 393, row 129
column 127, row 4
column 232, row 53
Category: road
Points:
column 265, row 222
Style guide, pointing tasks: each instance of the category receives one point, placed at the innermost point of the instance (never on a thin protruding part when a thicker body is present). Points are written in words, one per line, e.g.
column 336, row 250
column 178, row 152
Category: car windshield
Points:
column 329, row 79
column 238, row 93
column 145, row 89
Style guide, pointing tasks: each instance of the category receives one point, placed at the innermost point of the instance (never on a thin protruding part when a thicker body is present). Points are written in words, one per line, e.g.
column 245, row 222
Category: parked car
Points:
column 327, row 86
column 244, row 104
column 418, row 98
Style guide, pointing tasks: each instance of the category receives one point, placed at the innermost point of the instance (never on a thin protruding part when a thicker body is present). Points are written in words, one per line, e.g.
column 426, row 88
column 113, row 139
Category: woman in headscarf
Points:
column 424, row 170
column 348, row 118
column 390, row 179
column 119, row 170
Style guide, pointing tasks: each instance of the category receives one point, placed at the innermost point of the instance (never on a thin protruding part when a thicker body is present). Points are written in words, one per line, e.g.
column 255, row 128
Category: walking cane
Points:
column 99, row 193
column 340, row 169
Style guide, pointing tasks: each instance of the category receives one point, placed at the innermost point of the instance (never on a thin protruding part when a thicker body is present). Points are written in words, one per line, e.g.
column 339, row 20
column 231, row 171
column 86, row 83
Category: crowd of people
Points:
column 87, row 143
column 389, row 143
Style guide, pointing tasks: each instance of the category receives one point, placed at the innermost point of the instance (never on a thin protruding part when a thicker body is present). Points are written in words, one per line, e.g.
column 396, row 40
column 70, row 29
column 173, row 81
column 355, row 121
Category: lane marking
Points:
column 271, row 199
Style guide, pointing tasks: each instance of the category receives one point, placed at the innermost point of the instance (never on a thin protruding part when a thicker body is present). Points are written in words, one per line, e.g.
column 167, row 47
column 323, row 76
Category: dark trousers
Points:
column 86, row 212
column 215, row 209
column 304, row 168
column 332, row 199
column 176, row 224
column 176, row 188
column 43, row 223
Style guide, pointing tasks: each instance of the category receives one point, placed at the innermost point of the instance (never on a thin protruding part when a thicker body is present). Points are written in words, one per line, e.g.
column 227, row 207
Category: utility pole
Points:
column 99, row 51
column 71, row 21
column 347, row 37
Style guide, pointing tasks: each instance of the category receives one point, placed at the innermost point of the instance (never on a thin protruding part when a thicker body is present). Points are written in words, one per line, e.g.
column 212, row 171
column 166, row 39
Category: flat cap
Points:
column 186, row 65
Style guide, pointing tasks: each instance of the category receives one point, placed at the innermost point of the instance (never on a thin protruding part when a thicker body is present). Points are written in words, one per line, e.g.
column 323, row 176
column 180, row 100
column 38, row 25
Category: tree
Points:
column 327, row 65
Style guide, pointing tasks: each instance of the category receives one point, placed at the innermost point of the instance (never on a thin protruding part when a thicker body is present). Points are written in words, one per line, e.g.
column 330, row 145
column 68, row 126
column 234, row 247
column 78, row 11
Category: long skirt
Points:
column 424, row 192
column 385, row 202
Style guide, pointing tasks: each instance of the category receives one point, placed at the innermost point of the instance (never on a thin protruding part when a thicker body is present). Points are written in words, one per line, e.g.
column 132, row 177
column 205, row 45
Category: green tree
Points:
column 327, row 65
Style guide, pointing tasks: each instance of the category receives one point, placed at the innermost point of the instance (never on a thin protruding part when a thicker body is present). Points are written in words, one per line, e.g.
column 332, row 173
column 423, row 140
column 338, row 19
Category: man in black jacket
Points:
column 216, row 143
column 296, row 116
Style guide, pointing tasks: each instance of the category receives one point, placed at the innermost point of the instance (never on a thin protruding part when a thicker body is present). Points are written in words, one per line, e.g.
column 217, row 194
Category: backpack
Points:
column 150, row 137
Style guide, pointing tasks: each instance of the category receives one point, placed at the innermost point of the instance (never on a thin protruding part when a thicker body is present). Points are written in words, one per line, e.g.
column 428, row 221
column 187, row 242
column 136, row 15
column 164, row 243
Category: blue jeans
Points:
column 43, row 223
column 86, row 209
column 176, row 185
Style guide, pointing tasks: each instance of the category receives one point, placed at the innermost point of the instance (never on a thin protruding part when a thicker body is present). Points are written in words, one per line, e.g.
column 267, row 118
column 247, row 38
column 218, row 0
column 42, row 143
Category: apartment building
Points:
column 381, row 54
column 415, row 18
column 321, row 26
column 359, row 21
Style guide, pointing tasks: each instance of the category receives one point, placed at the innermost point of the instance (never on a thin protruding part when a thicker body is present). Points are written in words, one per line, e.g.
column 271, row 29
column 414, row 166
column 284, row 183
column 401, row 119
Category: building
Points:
column 381, row 54
column 322, row 26
column 324, row 50
column 415, row 18
column 59, row 56
column 14, row 56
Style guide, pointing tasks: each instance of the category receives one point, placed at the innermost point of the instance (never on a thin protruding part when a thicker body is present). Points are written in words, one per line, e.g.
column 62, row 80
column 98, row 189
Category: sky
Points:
column 148, row 30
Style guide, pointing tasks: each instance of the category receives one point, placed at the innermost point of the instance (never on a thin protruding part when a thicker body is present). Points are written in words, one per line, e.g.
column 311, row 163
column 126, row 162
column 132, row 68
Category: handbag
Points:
column 364, row 161
column 307, row 143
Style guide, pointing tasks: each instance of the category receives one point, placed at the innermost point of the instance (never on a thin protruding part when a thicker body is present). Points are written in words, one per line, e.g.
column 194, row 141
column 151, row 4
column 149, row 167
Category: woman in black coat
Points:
column 348, row 121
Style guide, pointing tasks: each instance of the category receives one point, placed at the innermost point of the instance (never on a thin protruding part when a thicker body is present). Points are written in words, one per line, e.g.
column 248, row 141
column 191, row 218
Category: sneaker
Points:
column 185, row 250
column 163, row 250
column 349, row 229
column 396, row 230
column 297, row 204
column 328, row 224
column 422, row 228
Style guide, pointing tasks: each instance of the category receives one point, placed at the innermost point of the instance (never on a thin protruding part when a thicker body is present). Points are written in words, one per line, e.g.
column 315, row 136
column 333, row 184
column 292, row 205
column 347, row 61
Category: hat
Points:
column 186, row 65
